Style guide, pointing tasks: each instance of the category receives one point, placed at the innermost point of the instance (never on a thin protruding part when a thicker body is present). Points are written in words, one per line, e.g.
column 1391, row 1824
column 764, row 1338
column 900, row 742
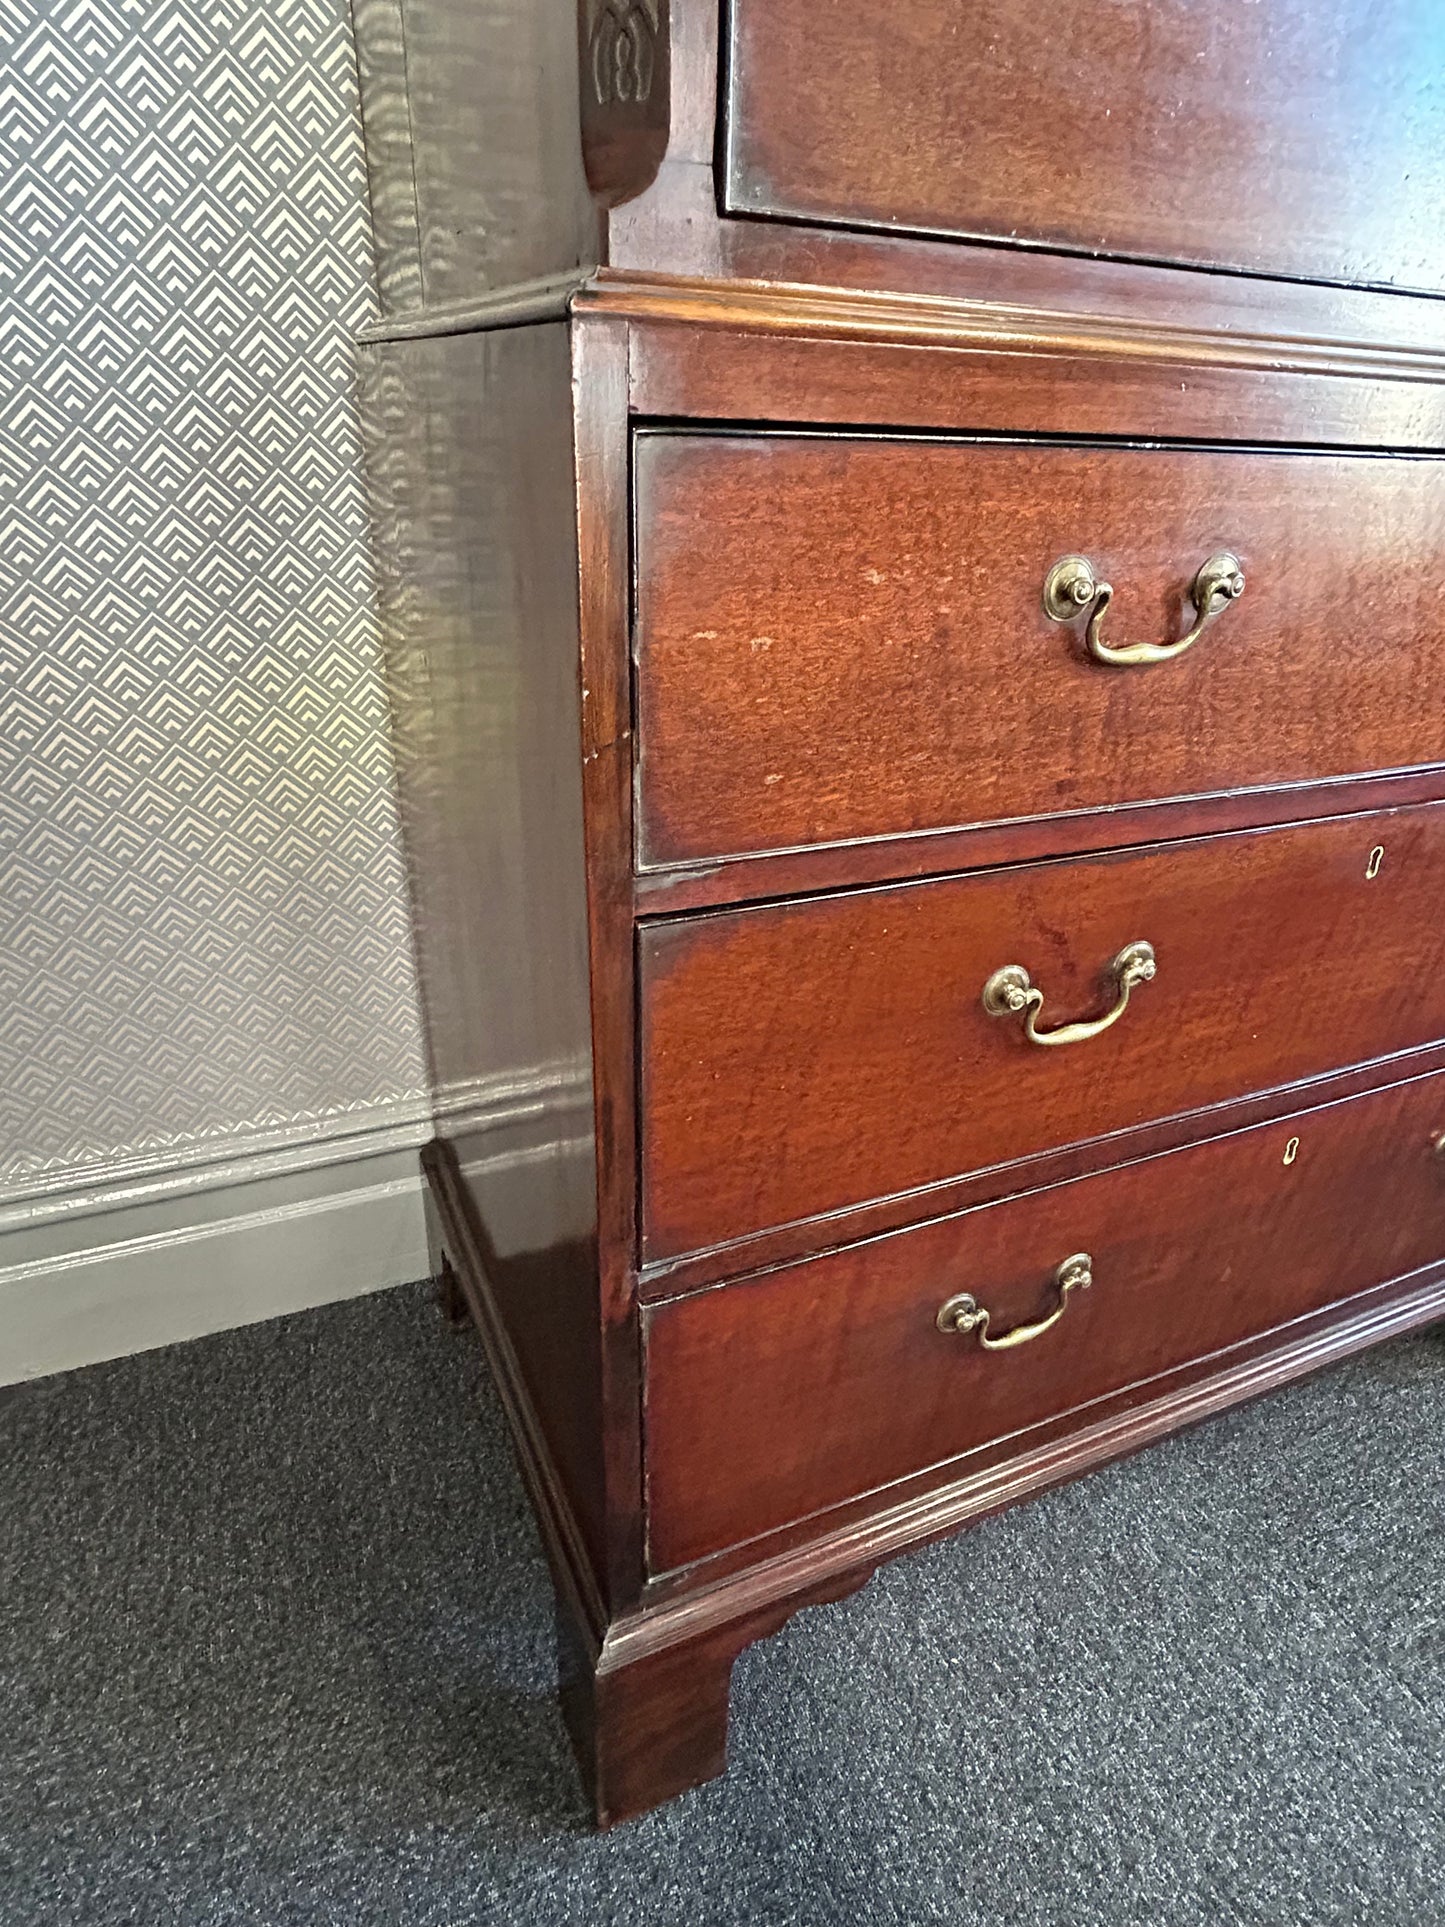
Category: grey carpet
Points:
column 276, row 1647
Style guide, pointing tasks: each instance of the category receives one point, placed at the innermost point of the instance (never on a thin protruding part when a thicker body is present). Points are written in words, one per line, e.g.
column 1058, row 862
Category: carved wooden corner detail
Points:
column 626, row 88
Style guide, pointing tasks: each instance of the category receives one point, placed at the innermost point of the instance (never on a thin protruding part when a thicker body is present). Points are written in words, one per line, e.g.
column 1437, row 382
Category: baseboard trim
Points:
column 143, row 1251
column 132, row 1275
column 406, row 1124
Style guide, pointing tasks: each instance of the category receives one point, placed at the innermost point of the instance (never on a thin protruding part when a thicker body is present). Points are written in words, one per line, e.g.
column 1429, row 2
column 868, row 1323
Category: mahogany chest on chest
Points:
column 913, row 557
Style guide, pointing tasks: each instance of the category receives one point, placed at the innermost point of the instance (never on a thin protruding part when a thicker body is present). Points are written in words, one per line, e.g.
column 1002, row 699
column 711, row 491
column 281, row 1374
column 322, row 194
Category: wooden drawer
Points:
column 800, row 1057
column 1281, row 139
column 774, row 1397
column 843, row 637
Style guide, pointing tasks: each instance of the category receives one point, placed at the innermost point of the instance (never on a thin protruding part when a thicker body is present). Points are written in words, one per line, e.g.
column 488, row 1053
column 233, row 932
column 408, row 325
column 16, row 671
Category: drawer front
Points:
column 804, row 1056
column 841, row 637
column 1282, row 139
column 774, row 1397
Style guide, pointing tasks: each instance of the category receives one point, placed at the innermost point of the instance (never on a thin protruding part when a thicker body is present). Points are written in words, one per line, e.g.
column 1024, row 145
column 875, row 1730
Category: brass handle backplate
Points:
column 964, row 1313
column 1010, row 992
column 1072, row 587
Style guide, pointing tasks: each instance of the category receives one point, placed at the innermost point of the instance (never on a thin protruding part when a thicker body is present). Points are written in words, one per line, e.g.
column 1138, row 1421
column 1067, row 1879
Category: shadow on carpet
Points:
column 276, row 1647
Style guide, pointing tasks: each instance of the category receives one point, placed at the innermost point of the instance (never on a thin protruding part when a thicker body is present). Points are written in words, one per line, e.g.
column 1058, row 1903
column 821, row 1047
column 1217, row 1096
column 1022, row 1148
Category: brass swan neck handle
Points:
column 1011, row 992
column 965, row 1314
column 1072, row 587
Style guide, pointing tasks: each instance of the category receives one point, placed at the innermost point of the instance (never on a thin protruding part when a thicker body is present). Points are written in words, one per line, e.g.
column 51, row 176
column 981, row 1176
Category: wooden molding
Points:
column 903, row 319
column 946, row 321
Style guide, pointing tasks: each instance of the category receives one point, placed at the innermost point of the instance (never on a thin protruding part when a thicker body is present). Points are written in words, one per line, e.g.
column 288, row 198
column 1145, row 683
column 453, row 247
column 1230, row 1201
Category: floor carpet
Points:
column 276, row 1647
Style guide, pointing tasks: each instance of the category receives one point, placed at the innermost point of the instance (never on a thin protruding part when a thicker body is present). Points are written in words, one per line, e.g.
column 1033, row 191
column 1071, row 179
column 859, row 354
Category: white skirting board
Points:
column 157, row 1249
column 166, row 1253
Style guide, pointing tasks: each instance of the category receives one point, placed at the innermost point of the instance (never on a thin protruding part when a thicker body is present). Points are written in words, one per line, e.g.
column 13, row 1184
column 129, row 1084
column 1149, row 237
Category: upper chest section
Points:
column 1298, row 138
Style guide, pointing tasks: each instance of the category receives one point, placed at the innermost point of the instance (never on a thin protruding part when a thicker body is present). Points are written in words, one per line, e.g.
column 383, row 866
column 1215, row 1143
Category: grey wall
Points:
column 471, row 125
column 203, row 926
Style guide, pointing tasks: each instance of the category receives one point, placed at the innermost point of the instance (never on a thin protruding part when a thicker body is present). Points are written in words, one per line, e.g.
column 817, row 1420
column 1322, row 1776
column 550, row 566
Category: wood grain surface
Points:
column 801, row 1057
column 1288, row 139
column 841, row 637
column 777, row 1396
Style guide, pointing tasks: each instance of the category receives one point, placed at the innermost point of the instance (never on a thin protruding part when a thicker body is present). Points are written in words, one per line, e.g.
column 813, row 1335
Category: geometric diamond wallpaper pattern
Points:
column 203, row 926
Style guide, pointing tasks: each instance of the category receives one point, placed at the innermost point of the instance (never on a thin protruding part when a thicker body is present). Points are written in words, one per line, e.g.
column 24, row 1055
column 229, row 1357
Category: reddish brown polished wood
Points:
column 1283, row 139
column 841, row 638
column 1058, row 1164
column 839, row 1049
column 651, row 1729
column 849, row 1385
column 559, row 271
column 941, row 1500
column 830, row 866
column 649, row 1711
column 749, row 359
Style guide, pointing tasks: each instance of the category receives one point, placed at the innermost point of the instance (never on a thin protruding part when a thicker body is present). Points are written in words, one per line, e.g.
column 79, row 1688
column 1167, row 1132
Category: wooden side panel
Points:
column 846, row 638
column 472, row 471
column 775, row 1397
column 1280, row 139
column 800, row 1058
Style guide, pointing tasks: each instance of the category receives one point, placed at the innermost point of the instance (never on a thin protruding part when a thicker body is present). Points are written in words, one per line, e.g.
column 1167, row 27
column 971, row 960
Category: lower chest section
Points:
column 1038, row 852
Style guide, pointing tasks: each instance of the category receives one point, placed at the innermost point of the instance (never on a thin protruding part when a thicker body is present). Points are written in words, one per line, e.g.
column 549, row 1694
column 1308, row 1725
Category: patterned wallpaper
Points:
column 203, row 927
